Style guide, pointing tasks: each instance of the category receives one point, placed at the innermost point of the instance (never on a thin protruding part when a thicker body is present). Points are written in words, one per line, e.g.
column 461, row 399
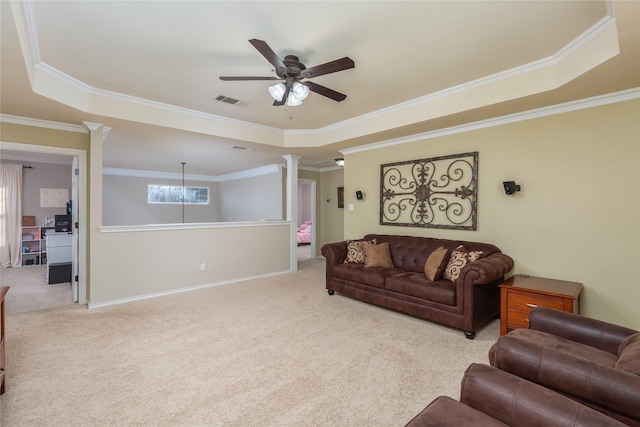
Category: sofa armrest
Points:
column 603, row 386
column 443, row 411
column 516, row 401
column 595, row 333
column 487, row 269
column 334, row 254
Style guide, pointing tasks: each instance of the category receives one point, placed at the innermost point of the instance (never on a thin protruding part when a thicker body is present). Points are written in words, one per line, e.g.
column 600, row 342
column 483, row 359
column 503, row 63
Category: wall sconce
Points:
column 510, row 187
column 359, row 195
column 340, row 162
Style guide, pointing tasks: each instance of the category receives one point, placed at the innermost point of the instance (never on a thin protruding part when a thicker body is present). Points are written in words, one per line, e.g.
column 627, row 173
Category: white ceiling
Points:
column 149, row 70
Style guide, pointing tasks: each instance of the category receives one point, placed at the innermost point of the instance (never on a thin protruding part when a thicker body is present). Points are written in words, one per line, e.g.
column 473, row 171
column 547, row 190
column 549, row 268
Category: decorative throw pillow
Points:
column 434, row 267
column 459, row 258
column 377, row 255
column 629, row 354
column 355, row 254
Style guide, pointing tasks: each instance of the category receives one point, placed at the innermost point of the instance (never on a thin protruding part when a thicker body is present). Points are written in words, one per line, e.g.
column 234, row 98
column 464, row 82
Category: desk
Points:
column 520, row 293
column 58, row 250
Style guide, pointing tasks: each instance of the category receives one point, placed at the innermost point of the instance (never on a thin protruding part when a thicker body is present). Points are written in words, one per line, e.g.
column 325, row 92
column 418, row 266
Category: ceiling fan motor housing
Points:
column 294, row 65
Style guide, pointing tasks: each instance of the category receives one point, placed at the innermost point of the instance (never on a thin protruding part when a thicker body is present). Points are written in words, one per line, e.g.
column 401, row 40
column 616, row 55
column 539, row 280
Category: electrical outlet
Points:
column 203, row 266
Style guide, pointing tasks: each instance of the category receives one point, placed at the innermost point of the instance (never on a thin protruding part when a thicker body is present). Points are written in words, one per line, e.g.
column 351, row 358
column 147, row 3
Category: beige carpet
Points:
column 30, row 292
column 304, row 252
column 276, row 351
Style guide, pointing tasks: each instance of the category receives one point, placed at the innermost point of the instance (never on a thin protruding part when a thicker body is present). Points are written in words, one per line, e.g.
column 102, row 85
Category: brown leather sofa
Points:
column 592, row 362
column 490, row 397
column 467, row 304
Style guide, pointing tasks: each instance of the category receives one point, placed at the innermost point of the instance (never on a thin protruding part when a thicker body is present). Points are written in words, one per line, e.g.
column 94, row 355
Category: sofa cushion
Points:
column 629, row 354
column 355, row 253
column 417, row 285
column 436, row 263
column 377, row 255
column 460, row 257
column 358, row 273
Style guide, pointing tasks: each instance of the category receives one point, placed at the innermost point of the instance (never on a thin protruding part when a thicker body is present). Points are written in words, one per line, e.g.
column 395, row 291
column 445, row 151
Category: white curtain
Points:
column 10, row 215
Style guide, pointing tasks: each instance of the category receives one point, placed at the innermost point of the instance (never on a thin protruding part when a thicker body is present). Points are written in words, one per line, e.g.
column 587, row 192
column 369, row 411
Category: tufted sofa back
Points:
column 409, row 253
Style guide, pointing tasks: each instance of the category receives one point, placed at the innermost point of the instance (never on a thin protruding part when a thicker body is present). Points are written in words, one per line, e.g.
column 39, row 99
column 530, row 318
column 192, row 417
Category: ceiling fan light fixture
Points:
column 277, row 91
column 293, row 100
column 301, row 91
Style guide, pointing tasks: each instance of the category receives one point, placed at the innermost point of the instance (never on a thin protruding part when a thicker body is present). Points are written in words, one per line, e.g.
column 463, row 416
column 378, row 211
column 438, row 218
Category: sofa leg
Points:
column 330, row 292
column 469, row 335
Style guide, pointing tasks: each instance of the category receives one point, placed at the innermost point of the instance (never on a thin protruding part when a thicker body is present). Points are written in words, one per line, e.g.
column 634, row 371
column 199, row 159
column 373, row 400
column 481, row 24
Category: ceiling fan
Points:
column 293, row 91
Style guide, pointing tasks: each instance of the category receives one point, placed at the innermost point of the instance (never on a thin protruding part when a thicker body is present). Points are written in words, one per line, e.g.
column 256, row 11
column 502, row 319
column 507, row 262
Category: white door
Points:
column 74, row 220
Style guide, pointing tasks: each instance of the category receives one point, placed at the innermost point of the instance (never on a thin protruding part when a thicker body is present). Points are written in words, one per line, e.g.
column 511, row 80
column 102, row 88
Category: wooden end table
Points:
column 520, row 293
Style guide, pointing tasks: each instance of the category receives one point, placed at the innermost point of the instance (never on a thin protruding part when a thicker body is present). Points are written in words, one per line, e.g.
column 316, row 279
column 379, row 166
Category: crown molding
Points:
column 596, row 101
column 175, row 109
column 251, row 173
column 137, row 173
column 314, row 169
column 26, row 121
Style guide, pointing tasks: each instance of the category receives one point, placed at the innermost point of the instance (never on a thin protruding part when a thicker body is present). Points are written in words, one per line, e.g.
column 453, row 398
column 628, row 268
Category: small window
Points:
column 173, row 194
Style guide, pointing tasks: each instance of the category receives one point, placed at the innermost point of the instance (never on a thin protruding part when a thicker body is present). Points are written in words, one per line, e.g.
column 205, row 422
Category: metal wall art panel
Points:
column 439, row 192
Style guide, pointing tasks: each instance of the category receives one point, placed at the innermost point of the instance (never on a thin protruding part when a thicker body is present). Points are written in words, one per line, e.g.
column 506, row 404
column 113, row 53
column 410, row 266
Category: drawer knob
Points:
column 531, row 305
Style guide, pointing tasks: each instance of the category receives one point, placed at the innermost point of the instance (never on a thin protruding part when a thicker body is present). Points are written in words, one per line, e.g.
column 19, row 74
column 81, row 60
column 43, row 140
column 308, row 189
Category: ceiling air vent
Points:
column 231, row 101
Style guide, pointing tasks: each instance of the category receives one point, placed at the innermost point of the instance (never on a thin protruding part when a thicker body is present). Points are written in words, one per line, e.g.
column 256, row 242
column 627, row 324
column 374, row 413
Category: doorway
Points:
column 306, row 219
column 77, row 161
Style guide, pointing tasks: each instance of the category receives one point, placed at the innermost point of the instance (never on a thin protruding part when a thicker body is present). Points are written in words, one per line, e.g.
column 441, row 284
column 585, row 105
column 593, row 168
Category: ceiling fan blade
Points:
column 329, row 67
column 270, row 55
column 325, row 91
column 230, row 79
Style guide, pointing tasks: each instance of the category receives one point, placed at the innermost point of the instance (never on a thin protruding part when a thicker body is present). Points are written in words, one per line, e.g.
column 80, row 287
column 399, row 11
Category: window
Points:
column 173, row 194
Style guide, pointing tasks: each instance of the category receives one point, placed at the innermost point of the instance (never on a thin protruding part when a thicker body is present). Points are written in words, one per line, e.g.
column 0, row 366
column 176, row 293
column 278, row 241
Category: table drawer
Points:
column 527, row 302
column 517, row 319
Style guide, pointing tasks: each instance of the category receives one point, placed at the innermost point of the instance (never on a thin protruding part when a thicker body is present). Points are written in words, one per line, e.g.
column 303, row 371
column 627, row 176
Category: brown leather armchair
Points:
column 591, row 361
column 493, row 398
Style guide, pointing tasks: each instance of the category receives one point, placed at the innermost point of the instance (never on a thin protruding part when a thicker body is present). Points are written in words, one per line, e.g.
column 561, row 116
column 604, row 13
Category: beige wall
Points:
column 329, row 219
column 125, row 202
column 10, row 132
column 577, row 217
column 332, row 217
column 252, row 199
column 42, row 175
column 304, row 201
column 129, row 265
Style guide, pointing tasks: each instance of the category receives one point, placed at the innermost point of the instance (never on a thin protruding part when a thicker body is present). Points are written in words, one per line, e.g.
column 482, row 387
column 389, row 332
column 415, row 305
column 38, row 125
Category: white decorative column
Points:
column 292, row 206
column 97, row 135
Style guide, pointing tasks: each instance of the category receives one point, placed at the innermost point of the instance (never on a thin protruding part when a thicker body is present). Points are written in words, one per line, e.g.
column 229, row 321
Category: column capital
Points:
column 291, row 158
column 92, row 127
